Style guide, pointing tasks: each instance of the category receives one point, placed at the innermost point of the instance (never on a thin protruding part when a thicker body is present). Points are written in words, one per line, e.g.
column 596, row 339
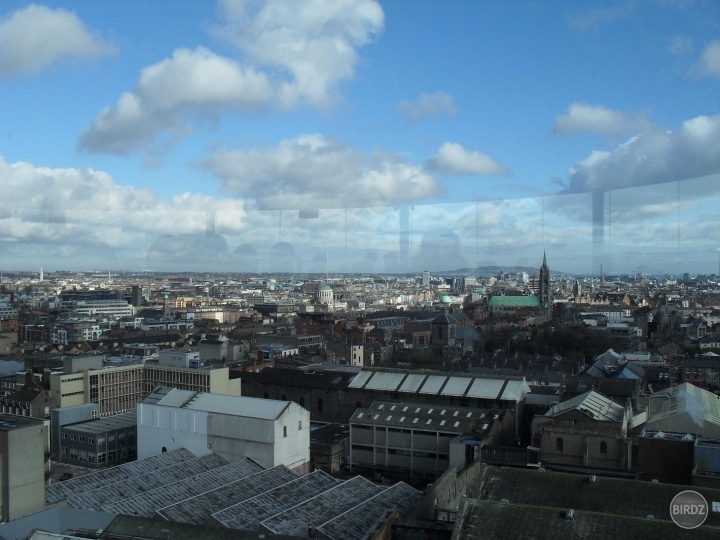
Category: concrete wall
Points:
column 220, row 382
column 75, row 364
column 284, row 441
column 69, row 390
column 22, row 469
column 171, row 428
column 69, row 415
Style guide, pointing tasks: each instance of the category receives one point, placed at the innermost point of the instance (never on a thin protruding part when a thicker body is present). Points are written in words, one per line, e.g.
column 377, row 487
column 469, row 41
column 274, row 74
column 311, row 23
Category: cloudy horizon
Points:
column 381, row 136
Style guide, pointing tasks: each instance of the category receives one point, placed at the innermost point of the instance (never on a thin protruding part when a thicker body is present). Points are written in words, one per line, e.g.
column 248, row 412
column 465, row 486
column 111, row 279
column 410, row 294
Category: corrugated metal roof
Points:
column 486, row 388
column 456, row 386
column 594, row 405
column 412, row 382
column 170, row 397
column 266, row 409
column 515, row 390
column 360, row 379
column 423, row 417
column 482, row 387
column 433, row 384
column 384, row 380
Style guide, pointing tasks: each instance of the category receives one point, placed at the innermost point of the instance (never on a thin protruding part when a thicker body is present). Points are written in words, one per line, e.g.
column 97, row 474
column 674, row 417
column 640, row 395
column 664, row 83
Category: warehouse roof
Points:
column 440, row 384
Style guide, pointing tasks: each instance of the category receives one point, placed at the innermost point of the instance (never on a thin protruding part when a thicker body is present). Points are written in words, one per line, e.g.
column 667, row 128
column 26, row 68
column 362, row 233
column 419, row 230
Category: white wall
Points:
column 232, row 437
column 171, row 428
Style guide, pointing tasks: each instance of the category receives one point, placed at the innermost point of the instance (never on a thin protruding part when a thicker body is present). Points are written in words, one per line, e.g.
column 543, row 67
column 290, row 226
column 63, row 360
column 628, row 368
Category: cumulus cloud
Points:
column 453, row 158
column 709, row 63
column 170, row 94
column 73, row 212
column 428, row 105
column 582, row 117
column 653, row 157
column 313, row 43
column 37, row 37
column 313, row 171
column 290, row 54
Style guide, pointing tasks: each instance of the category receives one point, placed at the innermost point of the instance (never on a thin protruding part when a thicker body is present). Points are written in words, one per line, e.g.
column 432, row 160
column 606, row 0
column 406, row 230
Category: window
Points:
column 284, row 431
column 299, row 425
column 603, row 447
column 559, row 444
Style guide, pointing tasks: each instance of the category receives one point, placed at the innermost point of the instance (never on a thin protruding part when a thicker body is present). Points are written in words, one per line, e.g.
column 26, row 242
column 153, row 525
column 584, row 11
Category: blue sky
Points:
column 187, row 135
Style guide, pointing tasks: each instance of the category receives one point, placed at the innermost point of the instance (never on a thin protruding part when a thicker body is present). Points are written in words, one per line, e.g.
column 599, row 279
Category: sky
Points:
column 360, row 135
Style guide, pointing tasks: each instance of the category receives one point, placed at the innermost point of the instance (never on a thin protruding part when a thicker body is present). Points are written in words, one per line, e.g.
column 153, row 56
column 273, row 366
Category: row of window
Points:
column 100, row 440
column 400, row 452
column 100, row 458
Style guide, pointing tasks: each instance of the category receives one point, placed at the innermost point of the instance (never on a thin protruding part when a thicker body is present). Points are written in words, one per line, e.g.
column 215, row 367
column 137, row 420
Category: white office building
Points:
column 269, row 432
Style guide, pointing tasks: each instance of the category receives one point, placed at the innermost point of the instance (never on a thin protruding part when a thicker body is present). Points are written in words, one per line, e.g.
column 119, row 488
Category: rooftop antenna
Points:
column 327, row 273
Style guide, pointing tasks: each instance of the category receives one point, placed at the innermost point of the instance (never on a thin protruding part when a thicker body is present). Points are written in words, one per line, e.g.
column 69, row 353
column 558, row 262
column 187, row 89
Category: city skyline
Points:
column 360, row 136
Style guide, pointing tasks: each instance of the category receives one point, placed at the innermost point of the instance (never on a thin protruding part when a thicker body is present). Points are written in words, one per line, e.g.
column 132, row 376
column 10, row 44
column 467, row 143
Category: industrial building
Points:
column 422, row 440
column 104, row 442
column 269, row 432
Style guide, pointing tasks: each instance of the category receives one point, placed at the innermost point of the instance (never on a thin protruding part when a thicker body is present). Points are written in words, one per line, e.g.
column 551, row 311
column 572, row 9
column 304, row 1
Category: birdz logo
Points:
column 689, row 509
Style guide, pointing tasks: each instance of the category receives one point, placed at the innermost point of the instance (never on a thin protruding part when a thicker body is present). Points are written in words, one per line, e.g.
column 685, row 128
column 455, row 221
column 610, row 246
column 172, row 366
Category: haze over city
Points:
column 360, row 136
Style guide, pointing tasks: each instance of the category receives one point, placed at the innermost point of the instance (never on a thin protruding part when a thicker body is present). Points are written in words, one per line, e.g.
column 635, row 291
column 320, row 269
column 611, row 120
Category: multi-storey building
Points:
column 421, row 439
column 269, row 432
column 104, row 442
column 109, row 308
column 120, row 388
column 71, row 331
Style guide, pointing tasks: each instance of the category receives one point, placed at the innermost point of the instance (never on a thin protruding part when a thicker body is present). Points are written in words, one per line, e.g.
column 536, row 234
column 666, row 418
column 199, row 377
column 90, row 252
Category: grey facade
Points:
column 105, row 442
column 22, row 466
column 421, row 439
column 69, row 415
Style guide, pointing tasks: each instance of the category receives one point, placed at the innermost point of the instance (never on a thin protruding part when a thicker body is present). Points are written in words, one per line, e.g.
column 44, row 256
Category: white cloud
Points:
column 313, row 43
column 432, row 105
column 83, row 212
column 453, row 158
column 709, row 63
column 653, row 157
column 582, row 117
column 36, row 37
column 170, row 94
column 291, row 54
column 313, row 171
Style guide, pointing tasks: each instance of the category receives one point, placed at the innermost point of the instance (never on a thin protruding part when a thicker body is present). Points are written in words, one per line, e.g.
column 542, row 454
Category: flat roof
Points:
column 106, row 423
column 10, row 422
